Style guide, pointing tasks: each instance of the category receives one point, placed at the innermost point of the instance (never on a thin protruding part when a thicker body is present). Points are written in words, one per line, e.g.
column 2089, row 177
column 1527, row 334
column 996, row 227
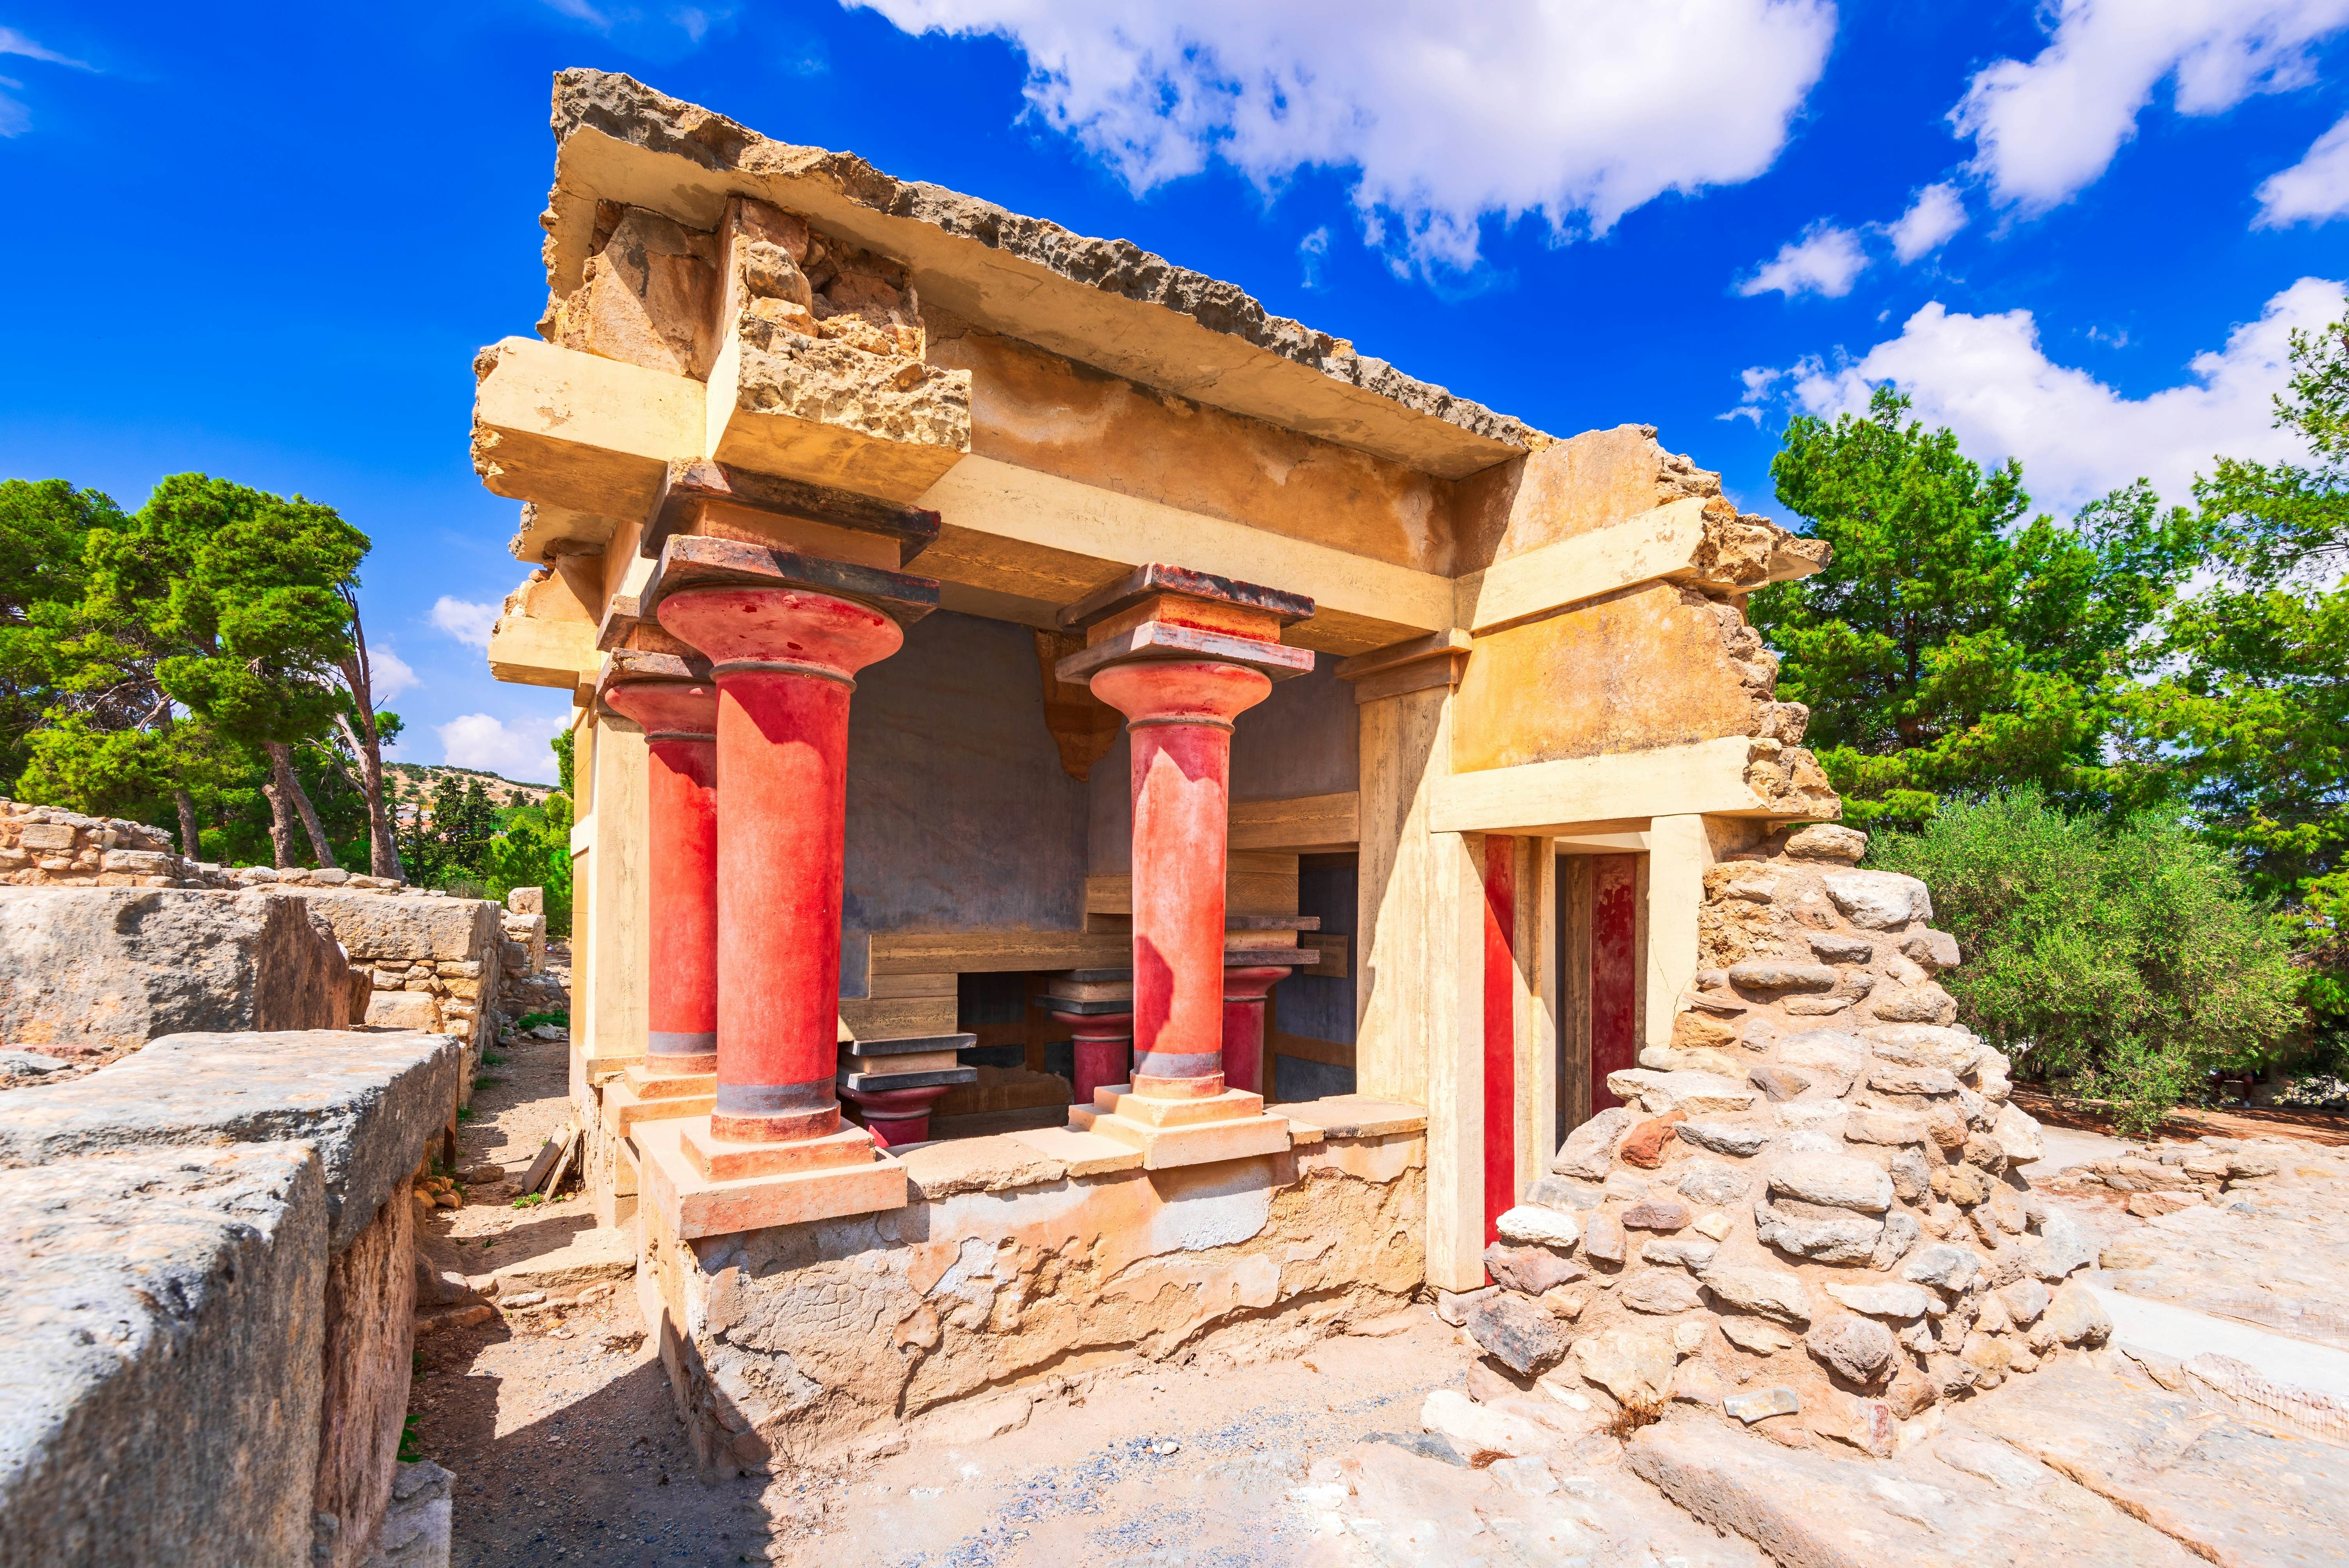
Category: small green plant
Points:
column 532, row 1020
column 529, row 1201
column 487, row 1080
column 493, row 1060
column 464, row 1113
column 411, row 1447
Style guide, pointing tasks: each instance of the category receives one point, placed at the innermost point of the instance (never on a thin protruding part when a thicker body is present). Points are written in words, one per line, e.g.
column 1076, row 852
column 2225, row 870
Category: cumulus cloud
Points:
column 469, row 624
column 1823, row 260
column 1988, row 379
column 2313, row 191
column 1576, row 111
column 390, row 673
column 514, row 748
column 1936, row 214
column 2045, row 128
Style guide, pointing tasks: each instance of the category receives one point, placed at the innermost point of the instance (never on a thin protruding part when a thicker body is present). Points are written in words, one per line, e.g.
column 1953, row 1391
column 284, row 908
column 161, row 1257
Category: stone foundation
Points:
column 1025, row 1258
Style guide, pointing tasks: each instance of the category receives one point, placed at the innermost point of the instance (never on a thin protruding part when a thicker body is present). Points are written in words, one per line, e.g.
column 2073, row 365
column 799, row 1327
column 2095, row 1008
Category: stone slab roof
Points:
column 1104, row 302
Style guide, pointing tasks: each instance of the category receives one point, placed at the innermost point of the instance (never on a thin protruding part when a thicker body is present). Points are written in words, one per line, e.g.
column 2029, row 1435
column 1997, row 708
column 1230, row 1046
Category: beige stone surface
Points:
column 572, row 430
column 690, row 1204
column 984, row 1288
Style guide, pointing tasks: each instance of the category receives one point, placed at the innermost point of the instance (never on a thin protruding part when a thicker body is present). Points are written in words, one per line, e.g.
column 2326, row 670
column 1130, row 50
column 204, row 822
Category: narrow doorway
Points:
column 1601, row 901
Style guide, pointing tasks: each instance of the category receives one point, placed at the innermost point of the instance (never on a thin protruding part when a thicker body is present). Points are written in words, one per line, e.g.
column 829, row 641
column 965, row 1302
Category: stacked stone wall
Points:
column 1808, row 1205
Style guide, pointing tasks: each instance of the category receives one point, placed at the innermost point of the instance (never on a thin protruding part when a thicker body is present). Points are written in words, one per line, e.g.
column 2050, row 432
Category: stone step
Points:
column 589, row 1256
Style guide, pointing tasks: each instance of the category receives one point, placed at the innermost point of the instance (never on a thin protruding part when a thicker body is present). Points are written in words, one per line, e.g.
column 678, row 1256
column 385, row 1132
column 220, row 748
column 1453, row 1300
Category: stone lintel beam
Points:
column 1737, row 775
column 577, row 431
column 1703, row 542
column 1156, row 579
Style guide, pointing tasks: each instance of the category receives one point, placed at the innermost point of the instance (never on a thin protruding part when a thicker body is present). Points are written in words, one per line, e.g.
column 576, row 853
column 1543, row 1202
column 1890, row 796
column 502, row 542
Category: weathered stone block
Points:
column 411, row 930
column 1589, row 1151
column 369, row 1103
column 1518, row 1333
column 1532, row 1270
column 99, row 971
column 161, row 1318
column 1879, row 901
column 1837, row 1181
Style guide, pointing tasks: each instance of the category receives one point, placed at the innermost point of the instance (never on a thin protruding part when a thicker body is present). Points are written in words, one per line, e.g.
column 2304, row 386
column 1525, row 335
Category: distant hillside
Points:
column 504, row 791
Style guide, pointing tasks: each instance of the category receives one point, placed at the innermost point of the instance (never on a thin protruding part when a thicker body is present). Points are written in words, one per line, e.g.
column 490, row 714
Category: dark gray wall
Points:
column 959, row 816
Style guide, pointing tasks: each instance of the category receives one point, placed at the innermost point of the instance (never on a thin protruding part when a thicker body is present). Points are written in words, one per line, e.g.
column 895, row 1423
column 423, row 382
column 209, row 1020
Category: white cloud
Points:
column 11, row 42
column 1987, row 377
column 467, row 623
column 1937, row 213
column 1823, row 260
column 513, row 748
column 16, row 119
column 2047, row 129
column 1577, row 110
column 389, row 672
column 2316, row 190
column 1311, row 251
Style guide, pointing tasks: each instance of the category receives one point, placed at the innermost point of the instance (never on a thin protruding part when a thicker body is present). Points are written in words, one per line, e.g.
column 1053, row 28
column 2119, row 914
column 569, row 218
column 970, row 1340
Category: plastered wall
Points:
column 959, row 816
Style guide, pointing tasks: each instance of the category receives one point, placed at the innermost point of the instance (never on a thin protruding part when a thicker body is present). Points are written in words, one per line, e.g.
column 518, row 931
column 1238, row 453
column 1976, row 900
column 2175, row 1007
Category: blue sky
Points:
column 265, row 241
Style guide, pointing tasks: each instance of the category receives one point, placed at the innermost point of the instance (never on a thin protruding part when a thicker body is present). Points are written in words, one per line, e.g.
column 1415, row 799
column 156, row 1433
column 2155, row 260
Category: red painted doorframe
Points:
column 1500, row 1030
column 1614, row 972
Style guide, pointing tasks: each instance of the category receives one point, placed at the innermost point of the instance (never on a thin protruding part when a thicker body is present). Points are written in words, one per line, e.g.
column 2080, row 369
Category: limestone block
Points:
column 1926, row 1004
column 410, row 929
column 369, row 1103
column 403, row 1010
column 1926, row 1045
column 1694, row 1252
column 1530, row 1269
column 417, row 1528
column 2060, row 1248
column 1713, row 1184
column 161, row 1342
column 1930, row 950
column 1723, row 1136
column 1879, row 901
column 2018, row 1135
column 828, row 413
column 1890, row 1300
column 1520, row 1334
column 1661, row 1292
column 1633, row 1365
column 1694, row 1093
column 1773, row 975
column 1952, row 1268
column 1588, row 1150
column 1481, row 1433
column 1766, row 1293
column 1841, row 947
column 1829, row 1237
column 99, row 970
column 1837, row 1181
column 1543, row 1227
column 370, row 1334
column 1823, row 1052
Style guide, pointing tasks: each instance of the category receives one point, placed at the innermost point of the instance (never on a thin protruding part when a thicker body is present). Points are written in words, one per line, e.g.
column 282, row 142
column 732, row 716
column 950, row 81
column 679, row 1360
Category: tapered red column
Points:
column 785, row 660
column 1179, row 721
column 681, row 722
column 1246, row 988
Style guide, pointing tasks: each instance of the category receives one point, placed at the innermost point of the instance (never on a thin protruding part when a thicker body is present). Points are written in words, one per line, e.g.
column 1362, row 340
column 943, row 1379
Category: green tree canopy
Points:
column 1951, row 645
column 43, row 525
column 2118, row 958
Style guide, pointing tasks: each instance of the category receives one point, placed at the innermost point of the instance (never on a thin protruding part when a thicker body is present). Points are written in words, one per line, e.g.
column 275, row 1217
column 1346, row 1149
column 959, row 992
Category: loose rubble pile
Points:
column 44, row 846
column 2164, row 1181
column 1806, row 1206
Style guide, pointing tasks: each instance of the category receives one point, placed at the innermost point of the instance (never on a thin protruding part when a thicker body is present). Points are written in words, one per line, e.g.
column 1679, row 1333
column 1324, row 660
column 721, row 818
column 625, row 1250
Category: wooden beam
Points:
column 691, row 483
column 1706, row 778
column 1037, row 536
column 1654, row 545
column 991, row 952
column 1299, row 823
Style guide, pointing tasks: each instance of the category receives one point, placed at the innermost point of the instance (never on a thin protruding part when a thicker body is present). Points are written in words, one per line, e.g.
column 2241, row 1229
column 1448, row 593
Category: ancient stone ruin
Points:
column 1111, row 826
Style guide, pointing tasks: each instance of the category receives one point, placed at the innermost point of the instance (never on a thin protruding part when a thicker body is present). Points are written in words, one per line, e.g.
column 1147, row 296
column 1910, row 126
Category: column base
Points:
column 654, row 1079
column 1205, row 1086
column 691, row 1202
column 721, row 1160
column 623, row 1108
column 1168, row 1133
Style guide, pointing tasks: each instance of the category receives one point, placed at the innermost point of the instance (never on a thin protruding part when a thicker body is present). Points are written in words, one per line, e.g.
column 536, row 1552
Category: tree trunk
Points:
column 281, row 771
column 383, row 845
column 280, row 815
column 192, row 838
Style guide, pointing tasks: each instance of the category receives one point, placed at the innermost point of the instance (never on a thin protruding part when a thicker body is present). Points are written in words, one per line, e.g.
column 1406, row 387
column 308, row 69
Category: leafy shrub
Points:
column 2119, row 960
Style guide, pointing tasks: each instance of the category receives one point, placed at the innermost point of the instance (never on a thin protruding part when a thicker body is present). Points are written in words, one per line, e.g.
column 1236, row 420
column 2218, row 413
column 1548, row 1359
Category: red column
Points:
column 785, row 660
column 680, row 724
column 1500, row 1030
column 1179, row 721
column 1103, row 1044
column 1246, row 989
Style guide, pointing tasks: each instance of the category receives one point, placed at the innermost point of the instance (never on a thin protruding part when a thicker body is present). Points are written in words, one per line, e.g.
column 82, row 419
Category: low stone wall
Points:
column 1025, row 1259
column 46, row 846
column 207, row 1298
column 94, row 972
